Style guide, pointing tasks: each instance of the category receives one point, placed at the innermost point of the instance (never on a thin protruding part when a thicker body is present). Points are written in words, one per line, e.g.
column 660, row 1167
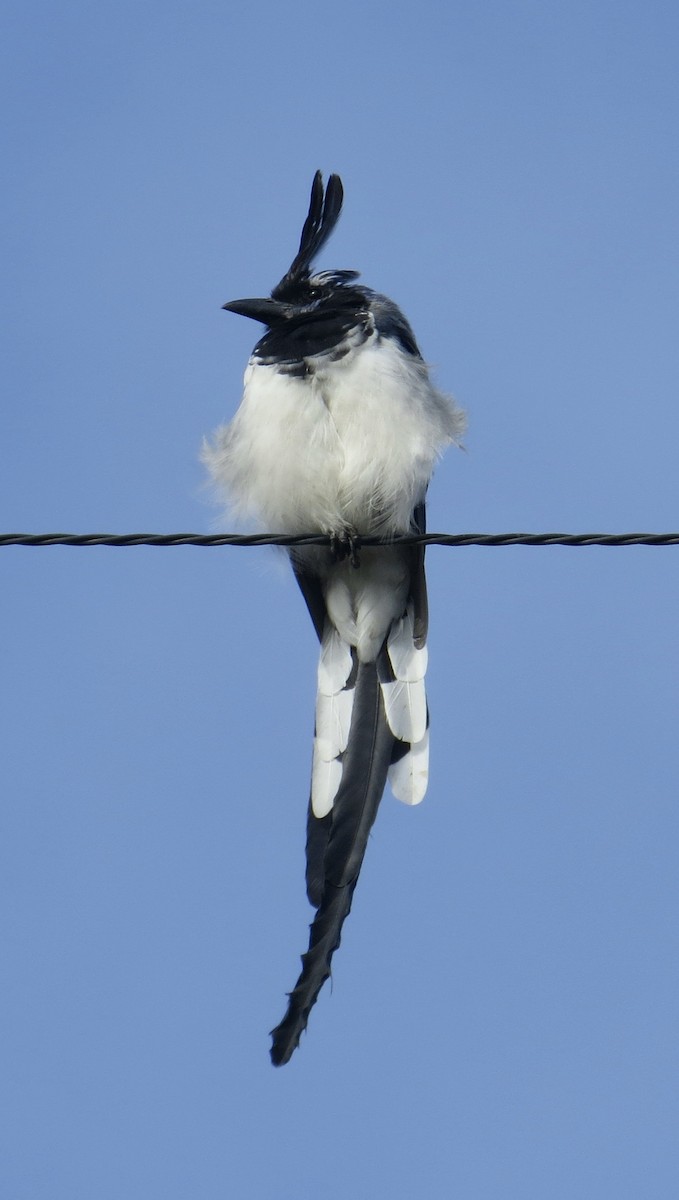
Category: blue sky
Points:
column 502, row 1021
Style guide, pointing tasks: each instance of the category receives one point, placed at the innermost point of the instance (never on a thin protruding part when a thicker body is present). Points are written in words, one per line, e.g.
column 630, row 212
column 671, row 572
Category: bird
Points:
column 337, row 434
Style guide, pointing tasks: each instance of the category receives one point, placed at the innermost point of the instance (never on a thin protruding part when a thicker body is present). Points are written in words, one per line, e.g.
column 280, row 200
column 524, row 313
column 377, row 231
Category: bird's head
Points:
column 299, row 293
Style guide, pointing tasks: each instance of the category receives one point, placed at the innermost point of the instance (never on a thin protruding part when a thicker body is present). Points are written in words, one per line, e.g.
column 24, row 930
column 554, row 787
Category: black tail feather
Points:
column 317, row 834
column 344, row 835
column 364, row 776
column 325, row 937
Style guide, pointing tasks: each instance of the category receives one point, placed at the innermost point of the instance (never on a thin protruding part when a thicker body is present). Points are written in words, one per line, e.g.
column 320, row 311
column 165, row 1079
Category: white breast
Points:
column 352, row 443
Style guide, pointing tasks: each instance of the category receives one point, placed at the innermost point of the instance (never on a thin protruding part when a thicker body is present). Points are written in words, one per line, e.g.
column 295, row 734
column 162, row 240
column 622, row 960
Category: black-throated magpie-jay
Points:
column 338, row 433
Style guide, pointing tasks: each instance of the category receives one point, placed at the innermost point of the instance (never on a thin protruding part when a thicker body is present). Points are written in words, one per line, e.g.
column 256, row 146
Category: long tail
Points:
column 335, row 848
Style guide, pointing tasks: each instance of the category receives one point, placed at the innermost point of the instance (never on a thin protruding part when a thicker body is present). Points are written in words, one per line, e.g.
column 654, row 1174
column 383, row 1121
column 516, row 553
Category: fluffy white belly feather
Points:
column 350, row 445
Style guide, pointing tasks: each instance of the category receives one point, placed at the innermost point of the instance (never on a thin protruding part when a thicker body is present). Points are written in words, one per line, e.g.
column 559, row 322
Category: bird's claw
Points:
column 346, row 544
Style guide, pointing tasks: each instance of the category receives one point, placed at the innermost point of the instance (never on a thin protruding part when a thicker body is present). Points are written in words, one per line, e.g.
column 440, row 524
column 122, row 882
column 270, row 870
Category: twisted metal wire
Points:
column 269, row 539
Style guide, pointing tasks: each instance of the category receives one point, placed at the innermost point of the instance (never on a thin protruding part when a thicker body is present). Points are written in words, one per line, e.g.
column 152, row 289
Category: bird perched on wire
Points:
column 338, row 433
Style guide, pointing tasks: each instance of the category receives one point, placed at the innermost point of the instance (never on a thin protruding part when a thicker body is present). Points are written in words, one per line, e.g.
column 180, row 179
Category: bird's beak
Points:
column 267, row 311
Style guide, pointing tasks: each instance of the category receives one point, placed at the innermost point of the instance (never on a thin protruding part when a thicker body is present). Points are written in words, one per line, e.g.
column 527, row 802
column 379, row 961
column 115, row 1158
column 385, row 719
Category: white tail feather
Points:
column 334, row 702
column 406, row 708
column 405, row 700
column 409, row 776
column 407, row 662
column 333, row 720
column 335, row 662
column 405, row 705
column 326, row 776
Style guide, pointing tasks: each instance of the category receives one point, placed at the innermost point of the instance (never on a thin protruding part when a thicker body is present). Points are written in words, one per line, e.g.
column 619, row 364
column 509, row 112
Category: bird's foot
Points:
column 346, row 544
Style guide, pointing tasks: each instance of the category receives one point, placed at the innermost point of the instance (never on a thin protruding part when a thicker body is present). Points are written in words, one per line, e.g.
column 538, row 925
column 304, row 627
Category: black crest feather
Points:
column 325, row 206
